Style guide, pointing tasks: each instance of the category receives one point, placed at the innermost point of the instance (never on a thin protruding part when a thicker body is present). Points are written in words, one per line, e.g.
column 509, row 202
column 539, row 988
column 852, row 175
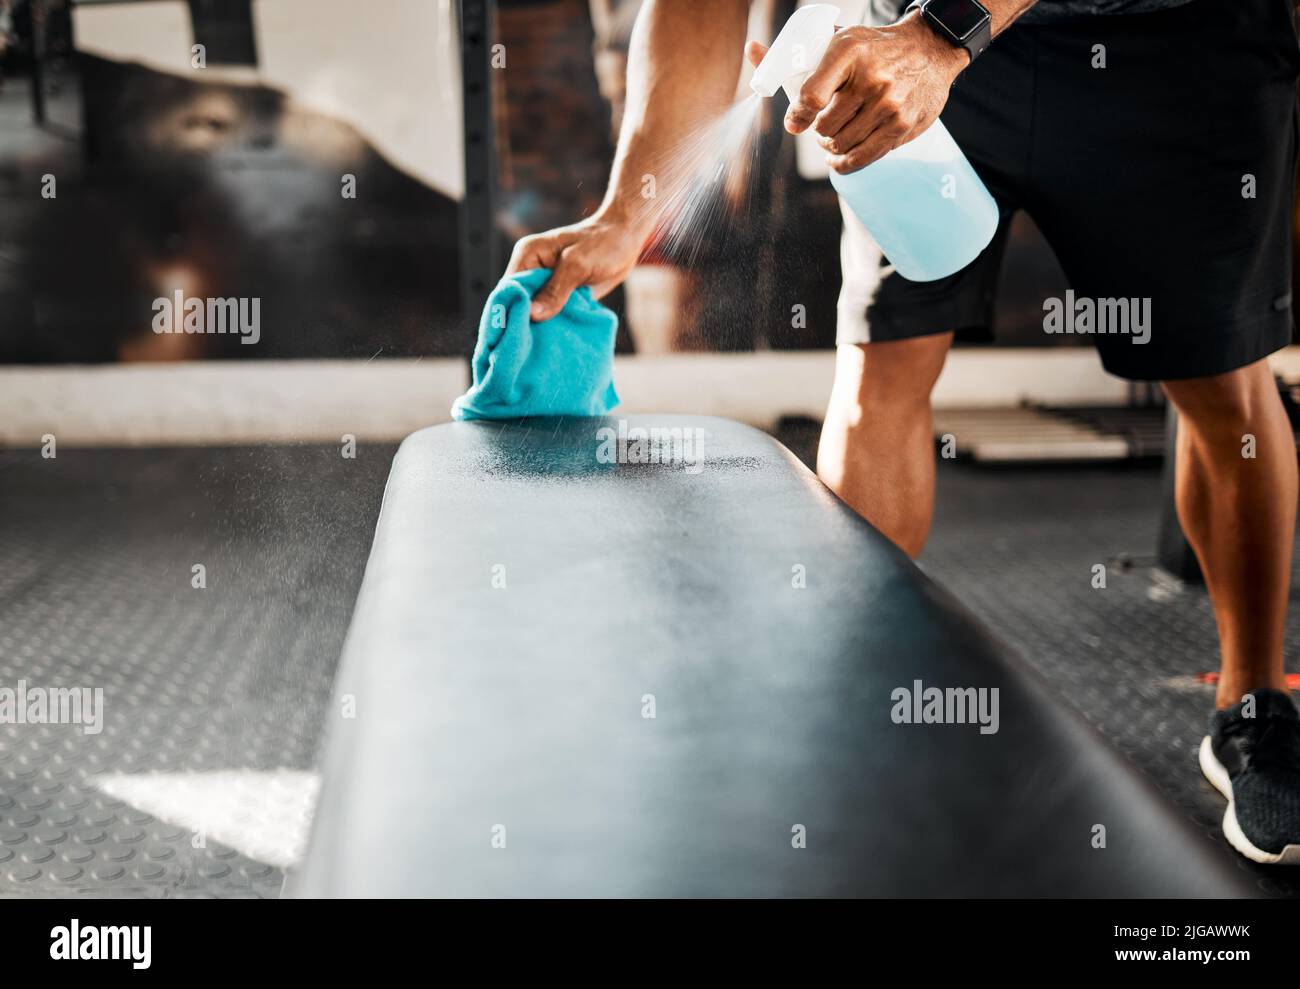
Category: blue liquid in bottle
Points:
column 924, row 205
column 922, row 202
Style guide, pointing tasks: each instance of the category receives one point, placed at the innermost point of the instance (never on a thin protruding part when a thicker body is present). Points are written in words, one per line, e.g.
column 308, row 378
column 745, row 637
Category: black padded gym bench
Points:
column 589, row 659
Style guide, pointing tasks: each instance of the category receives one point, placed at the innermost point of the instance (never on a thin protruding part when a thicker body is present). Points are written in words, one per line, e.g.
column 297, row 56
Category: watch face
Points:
column 961, row 17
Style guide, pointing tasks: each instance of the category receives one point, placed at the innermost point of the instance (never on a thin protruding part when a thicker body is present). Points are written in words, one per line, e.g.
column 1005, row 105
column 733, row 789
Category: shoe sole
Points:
column 1221, row 781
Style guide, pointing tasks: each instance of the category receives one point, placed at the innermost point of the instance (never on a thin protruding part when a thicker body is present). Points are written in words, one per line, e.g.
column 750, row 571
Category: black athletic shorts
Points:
column 1167, row 175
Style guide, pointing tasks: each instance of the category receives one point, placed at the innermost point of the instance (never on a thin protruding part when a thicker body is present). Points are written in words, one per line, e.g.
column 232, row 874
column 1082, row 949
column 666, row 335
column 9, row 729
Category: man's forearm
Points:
column 1004, row 12
column 683, row 66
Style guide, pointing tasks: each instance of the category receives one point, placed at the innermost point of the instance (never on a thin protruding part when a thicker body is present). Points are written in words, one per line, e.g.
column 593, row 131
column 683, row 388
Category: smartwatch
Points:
column 962, row 23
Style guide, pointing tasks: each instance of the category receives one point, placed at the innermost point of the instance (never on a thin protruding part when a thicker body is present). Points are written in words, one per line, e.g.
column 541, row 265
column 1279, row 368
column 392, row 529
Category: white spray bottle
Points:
column 922, row 202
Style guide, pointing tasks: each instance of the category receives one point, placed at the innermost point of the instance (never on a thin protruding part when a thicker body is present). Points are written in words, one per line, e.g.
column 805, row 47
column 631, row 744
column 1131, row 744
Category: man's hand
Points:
column 874, row 89
column 598, row 251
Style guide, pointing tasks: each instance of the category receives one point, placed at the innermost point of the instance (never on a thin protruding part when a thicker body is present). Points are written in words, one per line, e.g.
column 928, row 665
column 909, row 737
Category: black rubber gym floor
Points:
column 215, row 698
column 201, row 782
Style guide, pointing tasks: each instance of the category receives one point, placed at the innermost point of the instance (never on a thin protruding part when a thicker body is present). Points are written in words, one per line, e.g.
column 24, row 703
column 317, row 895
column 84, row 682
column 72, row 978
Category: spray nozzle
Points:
column 796, row 51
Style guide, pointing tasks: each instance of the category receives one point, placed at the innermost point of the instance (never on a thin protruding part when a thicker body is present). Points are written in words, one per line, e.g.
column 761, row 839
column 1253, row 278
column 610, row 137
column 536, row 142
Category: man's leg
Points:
column 877, row 443
column 1239, row 515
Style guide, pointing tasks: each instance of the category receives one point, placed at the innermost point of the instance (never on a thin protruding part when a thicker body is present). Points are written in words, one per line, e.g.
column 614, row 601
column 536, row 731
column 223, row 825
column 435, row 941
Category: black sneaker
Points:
column 1255, row 763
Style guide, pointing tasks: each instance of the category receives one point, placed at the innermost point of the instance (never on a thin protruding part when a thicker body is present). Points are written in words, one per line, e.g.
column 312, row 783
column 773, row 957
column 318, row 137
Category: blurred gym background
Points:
column 223, row 179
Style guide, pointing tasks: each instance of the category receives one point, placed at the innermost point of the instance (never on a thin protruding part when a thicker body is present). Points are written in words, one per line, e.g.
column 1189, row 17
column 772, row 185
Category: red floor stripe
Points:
column 1292, row 679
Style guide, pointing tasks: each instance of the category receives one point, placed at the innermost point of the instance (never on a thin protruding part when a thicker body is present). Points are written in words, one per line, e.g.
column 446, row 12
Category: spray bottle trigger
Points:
column 793, row 85
column 796, row 50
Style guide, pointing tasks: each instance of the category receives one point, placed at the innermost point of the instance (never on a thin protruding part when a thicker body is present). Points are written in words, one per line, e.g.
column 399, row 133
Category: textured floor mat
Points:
column 200, row 782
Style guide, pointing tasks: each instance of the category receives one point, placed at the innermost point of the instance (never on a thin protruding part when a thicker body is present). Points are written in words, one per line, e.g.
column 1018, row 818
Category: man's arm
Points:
column 683, row 66
column 874, row 89
column 877, row 88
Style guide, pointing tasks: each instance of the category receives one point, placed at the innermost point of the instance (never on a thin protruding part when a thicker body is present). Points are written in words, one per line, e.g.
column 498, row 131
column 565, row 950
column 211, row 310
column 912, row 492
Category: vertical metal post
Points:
column 38, row 62
column 478, row 252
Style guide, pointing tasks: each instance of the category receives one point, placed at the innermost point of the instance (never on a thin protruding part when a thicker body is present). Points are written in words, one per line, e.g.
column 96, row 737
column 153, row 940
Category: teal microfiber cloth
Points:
column 561, row 367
